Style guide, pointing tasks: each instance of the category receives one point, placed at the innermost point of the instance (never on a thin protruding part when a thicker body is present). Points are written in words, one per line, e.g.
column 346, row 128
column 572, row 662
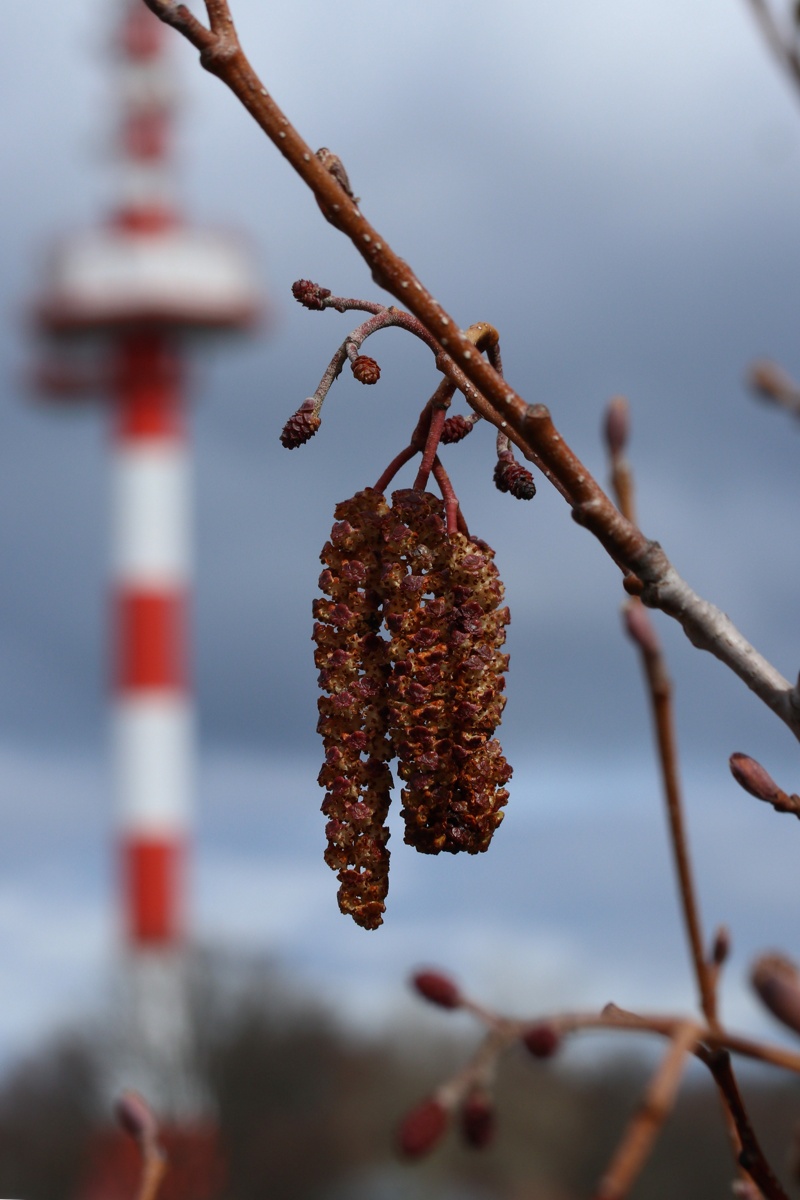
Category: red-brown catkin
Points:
column 352, row 659
column 430, row 693
column 441, row 597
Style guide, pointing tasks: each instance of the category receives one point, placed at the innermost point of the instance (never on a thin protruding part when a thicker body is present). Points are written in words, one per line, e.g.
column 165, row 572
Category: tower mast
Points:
column 131, row 291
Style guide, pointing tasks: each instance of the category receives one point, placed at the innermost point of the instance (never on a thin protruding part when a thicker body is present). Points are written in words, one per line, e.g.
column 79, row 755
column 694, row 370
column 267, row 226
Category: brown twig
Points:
column 777, row 42
column 659, row 689
column 656, row 1104
column 751, row 1156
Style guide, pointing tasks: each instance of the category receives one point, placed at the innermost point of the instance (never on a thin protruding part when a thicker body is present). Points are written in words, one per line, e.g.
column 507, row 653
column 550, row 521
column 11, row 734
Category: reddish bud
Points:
column 455, row 428
column 617, row 425
column 721, row 947
column 776, row 979
column 135, row 1117
column 310, row 295
column 770, row 381
column 478, row 1119
column 301, row 426
column 542, row 1040
column 437, row 988
column 365, row 369
column 750, row 775
column 422, row 1128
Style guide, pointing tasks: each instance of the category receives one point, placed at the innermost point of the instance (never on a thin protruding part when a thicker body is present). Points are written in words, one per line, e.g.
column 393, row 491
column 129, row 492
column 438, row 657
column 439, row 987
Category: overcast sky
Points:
column 615, row 187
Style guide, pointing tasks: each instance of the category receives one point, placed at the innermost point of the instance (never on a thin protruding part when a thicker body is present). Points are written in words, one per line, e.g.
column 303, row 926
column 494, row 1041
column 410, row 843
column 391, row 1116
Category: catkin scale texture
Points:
column 352, row 664
column 408, row 646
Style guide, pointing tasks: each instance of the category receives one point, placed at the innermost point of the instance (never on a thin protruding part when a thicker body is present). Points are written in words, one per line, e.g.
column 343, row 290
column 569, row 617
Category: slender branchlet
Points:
column 136, row 1118
column 642, row 632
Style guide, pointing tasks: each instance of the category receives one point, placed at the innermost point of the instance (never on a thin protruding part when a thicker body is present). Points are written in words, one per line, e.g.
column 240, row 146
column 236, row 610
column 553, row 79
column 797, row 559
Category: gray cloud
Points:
column 620, row 199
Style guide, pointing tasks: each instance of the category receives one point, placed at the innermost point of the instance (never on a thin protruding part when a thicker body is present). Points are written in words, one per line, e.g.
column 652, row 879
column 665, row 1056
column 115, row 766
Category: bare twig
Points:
column 659, row 688
column 751, row 1157
column 645, row 1125
column 777, row 42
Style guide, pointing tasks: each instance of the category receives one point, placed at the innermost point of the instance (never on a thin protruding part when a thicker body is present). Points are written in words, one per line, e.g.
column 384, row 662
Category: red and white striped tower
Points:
column 131, row 289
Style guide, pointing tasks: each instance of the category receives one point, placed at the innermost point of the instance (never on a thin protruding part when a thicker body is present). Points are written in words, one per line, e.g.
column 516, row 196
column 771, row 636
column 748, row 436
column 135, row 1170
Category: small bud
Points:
column 721, row 947
column 770, row 381
column 617, row 425
column 437, row 988
column 332, row 163
column 135, row 1117
column 422, row 1128
column 511, row 476
column 456, row 428
column 776, row 979
column 301, row 426
column 310, row 294
column 542, row 1040
column 365, row 369
column 632, row 584
column 750, row 775
column 478, row 1119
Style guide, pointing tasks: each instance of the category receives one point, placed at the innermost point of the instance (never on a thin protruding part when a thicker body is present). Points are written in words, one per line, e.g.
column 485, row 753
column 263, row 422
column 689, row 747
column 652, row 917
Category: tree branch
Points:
column 530, row 426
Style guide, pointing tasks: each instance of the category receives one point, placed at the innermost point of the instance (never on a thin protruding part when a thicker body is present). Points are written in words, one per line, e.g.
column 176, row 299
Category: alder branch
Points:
column 530, row 426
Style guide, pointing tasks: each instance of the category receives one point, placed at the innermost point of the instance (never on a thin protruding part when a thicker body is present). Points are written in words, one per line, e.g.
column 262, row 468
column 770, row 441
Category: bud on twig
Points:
column 310, row 294
column 770, row 382
column 542, row 1040
column 750, row 775
column 776, row 979
column 365, row 369
column 437, row 988
column 617, row 425
column 136, row 1118
column 478, row 1119
column 756, row 780
column 721, row 946
column 423, row 1128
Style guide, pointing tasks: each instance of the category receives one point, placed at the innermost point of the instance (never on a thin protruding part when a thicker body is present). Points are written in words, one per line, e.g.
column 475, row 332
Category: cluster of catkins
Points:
column 408, row 646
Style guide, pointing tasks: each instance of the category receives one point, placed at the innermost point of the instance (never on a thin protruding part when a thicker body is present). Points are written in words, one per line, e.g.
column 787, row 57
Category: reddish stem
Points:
column 394, row 466
column 448, row 495
column 435, row 427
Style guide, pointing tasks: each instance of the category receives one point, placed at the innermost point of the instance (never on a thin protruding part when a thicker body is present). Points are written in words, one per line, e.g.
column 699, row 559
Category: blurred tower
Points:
column 119, row 303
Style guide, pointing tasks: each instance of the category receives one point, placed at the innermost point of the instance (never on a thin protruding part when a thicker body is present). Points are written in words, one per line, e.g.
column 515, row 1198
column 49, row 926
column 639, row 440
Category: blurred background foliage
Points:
column 308, row 1109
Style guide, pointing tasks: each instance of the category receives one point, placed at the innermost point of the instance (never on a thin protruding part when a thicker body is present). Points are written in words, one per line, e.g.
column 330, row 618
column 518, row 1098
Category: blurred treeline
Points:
column 308, row 1111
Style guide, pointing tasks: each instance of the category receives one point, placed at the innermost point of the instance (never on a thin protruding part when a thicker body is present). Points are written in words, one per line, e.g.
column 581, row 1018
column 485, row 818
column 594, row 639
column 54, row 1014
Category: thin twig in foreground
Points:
column 751, row 1157
column 645, row 1125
